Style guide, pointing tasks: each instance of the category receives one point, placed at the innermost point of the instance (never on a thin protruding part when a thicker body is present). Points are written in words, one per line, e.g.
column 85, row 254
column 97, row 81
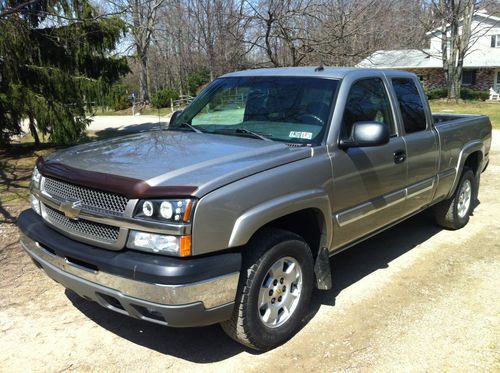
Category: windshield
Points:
column 289, row 109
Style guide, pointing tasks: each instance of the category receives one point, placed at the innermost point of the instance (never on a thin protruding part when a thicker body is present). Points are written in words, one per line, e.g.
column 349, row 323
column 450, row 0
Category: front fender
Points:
column 253, row 219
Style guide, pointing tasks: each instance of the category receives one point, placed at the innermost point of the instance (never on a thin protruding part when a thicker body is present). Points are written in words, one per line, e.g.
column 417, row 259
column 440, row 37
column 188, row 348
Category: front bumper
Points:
column 168, row 291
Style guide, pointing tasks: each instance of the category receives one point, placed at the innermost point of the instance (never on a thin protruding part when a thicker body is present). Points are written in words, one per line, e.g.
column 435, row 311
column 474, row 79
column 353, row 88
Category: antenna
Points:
column 319, row 68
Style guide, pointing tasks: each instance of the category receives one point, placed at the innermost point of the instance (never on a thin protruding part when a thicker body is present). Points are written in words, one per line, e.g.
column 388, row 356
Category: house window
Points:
column 469, row 77
column 495, row 41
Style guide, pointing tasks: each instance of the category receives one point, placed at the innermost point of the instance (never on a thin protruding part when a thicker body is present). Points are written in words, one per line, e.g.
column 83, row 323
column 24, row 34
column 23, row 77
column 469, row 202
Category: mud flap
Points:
column 322, row 270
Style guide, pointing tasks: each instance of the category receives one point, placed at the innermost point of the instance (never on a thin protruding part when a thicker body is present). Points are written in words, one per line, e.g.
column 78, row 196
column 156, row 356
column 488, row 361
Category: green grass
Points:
column 491, row 109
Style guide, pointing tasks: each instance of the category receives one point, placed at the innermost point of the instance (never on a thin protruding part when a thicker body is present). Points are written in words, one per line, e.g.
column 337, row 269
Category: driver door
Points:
column 369, row 182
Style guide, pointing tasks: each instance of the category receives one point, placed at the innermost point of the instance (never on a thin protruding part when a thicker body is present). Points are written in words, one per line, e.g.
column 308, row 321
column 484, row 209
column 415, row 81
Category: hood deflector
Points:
column 124, row 185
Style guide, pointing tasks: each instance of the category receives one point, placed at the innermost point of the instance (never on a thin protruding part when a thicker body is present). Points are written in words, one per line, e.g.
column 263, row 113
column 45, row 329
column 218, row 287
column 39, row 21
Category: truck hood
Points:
column 201, row 161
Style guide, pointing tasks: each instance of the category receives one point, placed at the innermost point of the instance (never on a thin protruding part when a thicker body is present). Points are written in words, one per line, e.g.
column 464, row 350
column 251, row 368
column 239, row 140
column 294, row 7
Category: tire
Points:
column 453, row 213
column 257, row 327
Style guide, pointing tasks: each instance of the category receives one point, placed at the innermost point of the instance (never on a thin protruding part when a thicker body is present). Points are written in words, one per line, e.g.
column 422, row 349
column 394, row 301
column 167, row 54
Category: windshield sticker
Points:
column 300, row 135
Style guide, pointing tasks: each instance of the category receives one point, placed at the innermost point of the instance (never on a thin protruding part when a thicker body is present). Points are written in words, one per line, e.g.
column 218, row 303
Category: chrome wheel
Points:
column 279, row 292
column 464, row 198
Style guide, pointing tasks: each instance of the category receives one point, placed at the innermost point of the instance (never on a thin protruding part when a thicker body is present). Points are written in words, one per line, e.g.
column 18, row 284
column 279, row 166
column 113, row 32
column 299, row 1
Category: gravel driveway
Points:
column 415, row 298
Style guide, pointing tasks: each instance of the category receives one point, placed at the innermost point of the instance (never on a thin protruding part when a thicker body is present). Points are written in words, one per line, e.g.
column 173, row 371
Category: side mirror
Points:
column 367, row 134
column 174, row 117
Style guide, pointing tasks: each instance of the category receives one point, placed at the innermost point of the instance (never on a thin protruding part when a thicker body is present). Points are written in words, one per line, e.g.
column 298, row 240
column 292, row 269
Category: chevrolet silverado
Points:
column 230, row 215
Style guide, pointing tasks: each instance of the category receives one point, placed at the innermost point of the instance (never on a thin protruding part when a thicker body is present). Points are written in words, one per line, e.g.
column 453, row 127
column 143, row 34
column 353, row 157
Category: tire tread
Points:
column 237, row 327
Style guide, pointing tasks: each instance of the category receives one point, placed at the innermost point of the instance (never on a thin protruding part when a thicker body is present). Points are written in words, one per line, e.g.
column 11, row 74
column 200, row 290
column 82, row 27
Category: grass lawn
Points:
column 491, row 109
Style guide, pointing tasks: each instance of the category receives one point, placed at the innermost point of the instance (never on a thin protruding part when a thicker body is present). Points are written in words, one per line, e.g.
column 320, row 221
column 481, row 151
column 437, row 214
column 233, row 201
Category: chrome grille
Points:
column 91, row 199
column 84, row 228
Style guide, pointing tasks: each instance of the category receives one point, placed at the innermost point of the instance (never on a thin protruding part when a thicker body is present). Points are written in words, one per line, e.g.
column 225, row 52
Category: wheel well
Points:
column 473, row 162
column 308, row 223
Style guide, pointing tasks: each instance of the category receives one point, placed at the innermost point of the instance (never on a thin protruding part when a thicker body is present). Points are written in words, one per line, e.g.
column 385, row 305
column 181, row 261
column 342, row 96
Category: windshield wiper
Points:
column 254, row 134
column 187, row 125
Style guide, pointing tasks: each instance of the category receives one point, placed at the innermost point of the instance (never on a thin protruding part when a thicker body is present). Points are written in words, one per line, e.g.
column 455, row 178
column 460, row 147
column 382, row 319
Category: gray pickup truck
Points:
column 230, row 215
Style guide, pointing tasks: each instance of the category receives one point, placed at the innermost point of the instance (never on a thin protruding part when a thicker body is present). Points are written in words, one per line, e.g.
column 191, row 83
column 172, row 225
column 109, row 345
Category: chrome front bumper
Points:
column 193, row 304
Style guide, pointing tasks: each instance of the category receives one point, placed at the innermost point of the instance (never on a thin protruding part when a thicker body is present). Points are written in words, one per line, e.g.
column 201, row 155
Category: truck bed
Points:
column 443, row 118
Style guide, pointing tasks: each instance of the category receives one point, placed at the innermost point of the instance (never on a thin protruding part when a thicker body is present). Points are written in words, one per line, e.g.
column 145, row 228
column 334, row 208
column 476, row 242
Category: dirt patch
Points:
column 415, row 298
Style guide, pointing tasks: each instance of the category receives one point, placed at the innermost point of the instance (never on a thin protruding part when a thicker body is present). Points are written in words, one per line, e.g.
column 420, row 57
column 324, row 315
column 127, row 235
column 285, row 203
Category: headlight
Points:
column 159, row 243
column 176, row 211
column 35, row 178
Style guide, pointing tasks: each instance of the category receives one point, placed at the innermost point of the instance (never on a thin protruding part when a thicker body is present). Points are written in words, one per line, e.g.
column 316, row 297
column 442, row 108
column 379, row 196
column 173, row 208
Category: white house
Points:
column 481, row 64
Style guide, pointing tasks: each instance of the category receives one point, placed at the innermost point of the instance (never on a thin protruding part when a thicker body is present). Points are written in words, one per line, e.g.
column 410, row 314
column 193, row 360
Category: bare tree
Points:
column 455, row 17
column 141, row 17
column 457, row 28
column 283, row 31
column 184, row 37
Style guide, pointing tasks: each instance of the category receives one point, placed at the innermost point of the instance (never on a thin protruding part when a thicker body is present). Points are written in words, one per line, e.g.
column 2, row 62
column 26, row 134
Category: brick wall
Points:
column 434, row 78
column 484, row 79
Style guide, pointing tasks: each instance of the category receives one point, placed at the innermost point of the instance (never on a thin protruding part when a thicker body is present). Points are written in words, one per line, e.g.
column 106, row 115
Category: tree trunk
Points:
column 456, row 30
column 33, row 130
column 454, row 86
column 143, row 77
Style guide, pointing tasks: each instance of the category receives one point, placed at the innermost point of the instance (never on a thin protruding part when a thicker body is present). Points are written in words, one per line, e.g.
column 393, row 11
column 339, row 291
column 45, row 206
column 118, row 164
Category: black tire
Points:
column 246, row 326
column 446, row 213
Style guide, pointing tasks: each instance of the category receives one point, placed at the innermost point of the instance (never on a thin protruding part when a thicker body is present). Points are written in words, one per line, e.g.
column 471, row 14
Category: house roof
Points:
column 423, row 58
column 480, row 55
column 479, row 14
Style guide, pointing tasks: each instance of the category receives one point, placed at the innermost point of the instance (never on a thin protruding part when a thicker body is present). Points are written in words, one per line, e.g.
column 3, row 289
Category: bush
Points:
column 162, row 97
column 465, row 94
column 117, row 97
column 482, row 95
column 470, row 94
column 437, row 93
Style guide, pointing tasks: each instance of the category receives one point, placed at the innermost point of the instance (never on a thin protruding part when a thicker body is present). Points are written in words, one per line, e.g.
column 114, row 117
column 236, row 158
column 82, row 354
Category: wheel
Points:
column 454, row 213
column 274, row 292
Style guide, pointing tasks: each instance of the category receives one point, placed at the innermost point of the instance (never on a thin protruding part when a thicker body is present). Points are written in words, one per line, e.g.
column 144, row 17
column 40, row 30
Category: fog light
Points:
column 159, row 243
column 35, row 204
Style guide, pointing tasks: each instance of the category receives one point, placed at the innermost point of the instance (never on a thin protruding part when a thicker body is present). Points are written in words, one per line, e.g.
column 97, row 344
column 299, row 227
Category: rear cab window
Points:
column 411, row 105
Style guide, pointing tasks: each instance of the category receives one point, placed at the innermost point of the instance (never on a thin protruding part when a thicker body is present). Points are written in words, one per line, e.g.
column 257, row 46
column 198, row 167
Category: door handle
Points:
column 399, row 156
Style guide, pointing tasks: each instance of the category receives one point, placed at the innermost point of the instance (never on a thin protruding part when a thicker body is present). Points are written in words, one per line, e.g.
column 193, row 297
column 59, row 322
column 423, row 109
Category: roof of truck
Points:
column 326, row 72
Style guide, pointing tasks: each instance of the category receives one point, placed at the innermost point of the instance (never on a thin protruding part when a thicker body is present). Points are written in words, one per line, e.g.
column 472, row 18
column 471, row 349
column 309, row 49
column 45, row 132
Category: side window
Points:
column 367, row 101
column 410, row 104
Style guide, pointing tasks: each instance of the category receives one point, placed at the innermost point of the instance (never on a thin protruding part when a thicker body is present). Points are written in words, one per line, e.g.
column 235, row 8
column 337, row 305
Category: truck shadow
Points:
column 376, row 253
column 129, row 129
column 210, row 344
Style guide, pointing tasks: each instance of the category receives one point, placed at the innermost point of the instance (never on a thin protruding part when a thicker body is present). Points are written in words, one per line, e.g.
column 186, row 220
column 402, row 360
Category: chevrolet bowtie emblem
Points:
column 71, row 209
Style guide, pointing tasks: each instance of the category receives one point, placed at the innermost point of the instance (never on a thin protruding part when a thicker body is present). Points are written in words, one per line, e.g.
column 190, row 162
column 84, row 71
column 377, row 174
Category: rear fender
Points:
column 468, row 149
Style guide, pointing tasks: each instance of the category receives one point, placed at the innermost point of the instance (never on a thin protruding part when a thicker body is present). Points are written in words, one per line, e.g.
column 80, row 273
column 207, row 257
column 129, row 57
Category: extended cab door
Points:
column 422, row 143
column 368, row 182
